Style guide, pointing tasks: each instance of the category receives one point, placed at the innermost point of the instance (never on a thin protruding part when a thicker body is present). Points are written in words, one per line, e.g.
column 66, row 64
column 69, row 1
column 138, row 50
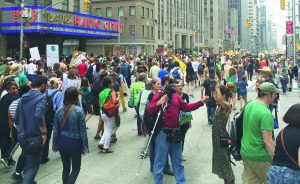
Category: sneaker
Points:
column 6, row 162
column 183, row 159
column 124, row 110
column 45, row 161
column 100, row 146
column 17, row 177
column 97, row 137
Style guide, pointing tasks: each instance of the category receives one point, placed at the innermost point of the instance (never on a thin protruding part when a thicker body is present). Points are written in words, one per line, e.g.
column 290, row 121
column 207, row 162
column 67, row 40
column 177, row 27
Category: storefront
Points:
column 70, row 30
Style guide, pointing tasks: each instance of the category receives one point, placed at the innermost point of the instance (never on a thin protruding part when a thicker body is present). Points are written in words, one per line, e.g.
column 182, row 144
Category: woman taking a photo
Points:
column 70, row 136
column 109, row 122
column 221, row 164
column 285, row 167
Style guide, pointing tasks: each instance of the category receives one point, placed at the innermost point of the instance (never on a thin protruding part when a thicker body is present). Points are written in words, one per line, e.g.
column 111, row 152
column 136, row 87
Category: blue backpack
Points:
column 176, row 74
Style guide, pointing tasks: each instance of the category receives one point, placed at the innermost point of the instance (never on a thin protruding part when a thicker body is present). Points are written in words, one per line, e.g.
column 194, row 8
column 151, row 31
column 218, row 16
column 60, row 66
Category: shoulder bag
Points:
column 110, row 108
column 286, row 152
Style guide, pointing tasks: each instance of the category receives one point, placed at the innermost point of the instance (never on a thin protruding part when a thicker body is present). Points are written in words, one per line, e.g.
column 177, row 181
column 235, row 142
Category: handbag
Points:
column 131, row 101
column 110, row 108
column 30, row 144
column 286, row 152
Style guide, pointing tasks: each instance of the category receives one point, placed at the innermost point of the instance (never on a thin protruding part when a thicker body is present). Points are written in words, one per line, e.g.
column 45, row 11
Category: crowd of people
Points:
column 37, row 101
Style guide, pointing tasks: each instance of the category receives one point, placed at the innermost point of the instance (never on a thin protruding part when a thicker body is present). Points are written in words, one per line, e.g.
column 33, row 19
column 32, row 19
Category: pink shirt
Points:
column 262, row 64
column 171, row 115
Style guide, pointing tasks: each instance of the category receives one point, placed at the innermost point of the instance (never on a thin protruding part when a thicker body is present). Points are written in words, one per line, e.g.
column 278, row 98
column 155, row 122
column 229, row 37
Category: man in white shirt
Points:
column 31, row 70
column 154, row 70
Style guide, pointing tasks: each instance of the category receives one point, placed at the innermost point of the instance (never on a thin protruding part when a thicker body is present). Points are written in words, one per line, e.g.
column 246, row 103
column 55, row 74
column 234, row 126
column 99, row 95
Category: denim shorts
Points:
column 283, row 175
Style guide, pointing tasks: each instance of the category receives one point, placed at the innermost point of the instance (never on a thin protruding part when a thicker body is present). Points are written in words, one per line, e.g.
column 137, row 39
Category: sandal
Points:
column 107, row 150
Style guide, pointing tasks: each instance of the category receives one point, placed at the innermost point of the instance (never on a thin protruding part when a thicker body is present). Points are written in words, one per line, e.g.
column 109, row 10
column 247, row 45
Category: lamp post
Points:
column 22, row 22
column 294, row 31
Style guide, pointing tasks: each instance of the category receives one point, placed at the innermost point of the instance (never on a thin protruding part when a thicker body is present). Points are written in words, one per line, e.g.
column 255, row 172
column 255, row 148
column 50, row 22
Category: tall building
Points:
column 236, row 4
column 263, row 27
column 215, row 21
column 138, row 26
column 149, row 26
column 66, row 23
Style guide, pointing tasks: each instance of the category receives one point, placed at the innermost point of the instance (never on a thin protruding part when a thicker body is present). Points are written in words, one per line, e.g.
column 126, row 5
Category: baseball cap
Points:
column 267, row 70
column 268, row 87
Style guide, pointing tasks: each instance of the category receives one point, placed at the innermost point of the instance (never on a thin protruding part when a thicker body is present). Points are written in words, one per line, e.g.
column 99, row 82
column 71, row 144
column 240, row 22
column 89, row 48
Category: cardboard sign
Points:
column 34, row 53
column 52, row 55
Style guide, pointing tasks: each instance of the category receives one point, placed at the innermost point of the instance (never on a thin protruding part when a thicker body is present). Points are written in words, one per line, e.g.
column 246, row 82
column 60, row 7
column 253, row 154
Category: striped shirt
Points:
column 13, row 107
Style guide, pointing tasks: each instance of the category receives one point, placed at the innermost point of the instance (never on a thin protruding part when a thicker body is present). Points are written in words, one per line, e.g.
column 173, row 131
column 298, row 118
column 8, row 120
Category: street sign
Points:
column 52, row 54
column 34, row 53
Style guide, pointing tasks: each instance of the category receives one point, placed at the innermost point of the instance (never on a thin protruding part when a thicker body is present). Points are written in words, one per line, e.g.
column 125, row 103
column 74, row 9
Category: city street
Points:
column 121, row 167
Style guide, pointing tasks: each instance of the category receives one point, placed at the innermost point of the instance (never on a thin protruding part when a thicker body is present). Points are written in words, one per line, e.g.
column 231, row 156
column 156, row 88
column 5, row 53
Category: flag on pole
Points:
column 182, row 66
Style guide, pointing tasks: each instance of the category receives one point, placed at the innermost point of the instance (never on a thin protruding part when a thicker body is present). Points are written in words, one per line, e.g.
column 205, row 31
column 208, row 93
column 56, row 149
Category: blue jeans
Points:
column 283, row 175
column 32, row 166
column 211, row 109
column 152, row 156
column 162, row 149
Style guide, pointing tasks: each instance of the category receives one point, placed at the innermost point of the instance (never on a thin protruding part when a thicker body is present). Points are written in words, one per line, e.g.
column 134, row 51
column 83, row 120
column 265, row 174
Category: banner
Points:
column 289, row 27
column 52, row 54
column 181, row 64
column 34, row 53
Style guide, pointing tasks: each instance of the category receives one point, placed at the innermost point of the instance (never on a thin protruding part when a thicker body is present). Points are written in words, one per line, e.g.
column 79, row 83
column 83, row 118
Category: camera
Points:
column 225, row 142
column 169, row 90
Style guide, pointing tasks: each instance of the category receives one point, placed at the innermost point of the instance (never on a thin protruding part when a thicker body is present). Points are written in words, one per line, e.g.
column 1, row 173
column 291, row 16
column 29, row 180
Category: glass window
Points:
column 143, row 30
column 76, row 6
column 98, row 12
column 148, row 31
column 143, row 11
column 152, row 32
column 132, row 10
column 109, row 11
column 65, row 5
column 121, row 11
column 132, row 30
column 148, row 13
column 151, row 13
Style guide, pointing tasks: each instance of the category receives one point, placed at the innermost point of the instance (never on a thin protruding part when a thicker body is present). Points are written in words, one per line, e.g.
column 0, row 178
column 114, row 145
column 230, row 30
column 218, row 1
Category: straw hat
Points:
column 267, row 70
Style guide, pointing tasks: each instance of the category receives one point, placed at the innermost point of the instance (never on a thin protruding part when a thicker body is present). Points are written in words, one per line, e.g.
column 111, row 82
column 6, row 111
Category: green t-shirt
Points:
column 2, row 68
column 135, row 89
column 257, row 117
column 103, row 96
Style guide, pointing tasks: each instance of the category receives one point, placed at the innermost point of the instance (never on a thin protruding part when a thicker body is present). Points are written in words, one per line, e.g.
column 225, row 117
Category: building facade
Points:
column 137, row 19
column 66, row 24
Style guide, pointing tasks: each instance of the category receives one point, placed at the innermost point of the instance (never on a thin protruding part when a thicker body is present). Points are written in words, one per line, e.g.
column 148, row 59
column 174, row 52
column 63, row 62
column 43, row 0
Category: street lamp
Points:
column 22, row 5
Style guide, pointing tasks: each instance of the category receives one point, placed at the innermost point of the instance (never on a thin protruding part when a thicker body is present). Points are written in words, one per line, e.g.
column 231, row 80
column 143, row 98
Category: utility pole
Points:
column 294, row 31
column 22, row 22
column 21, row 31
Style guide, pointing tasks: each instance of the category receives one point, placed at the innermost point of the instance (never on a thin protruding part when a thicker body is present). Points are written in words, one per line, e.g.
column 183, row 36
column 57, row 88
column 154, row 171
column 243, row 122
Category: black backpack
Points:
column 200, row 68
column 149, row 120
column 236, row 134
column 49, row 113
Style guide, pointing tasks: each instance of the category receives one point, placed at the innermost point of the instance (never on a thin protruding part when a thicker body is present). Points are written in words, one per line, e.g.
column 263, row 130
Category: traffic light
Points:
column 86, row 5
column 282, row 4
column 248, row 24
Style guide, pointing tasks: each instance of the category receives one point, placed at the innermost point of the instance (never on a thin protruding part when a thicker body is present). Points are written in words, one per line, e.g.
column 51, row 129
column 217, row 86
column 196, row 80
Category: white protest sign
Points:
column 34, row 53
column 52, row 55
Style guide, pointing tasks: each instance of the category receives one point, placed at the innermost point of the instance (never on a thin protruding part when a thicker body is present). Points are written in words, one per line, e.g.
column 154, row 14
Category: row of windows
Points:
column 131, row 11
column 146, row 31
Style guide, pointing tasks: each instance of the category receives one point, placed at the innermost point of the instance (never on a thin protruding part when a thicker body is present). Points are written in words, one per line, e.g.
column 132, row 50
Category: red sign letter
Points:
column 76, row 20
column 97, row 23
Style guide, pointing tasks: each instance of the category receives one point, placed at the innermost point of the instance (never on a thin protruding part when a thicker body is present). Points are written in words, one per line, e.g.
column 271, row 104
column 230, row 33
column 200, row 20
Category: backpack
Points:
column 200, row 68
column 50, row 112
column 236, row 134
column 149, row 120
column 176, row 74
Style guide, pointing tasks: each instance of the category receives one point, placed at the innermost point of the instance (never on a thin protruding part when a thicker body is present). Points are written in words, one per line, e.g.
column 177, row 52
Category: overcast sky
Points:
column 278, row 17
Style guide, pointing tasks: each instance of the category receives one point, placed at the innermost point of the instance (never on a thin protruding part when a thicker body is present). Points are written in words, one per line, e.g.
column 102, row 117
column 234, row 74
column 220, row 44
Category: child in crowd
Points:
column 86, row 95
column 242, row 85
